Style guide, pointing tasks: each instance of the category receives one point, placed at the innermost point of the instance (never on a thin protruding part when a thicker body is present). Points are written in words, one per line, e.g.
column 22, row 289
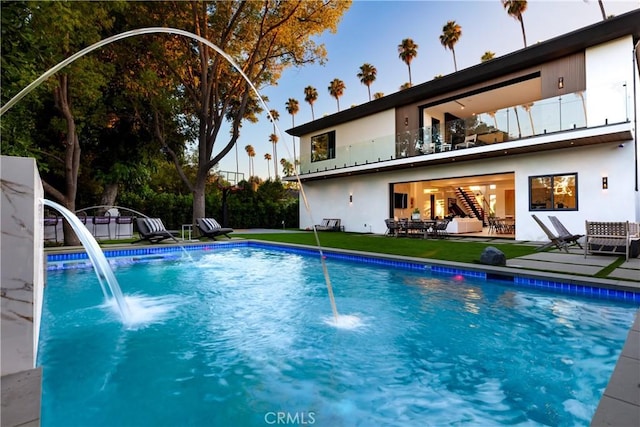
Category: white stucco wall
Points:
column 609, row 76
column 371, row 136
column 330, row 198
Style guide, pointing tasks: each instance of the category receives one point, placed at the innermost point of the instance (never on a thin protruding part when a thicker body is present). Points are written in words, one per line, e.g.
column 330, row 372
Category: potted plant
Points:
column 415, row 214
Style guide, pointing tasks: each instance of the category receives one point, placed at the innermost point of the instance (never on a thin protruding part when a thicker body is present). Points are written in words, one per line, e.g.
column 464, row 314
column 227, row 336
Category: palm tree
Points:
column 273, row 138
column 336, row 89
column 488, row 55
column 292, row 108
column 451, row 33
column 267, row 157
column 367, row 75
column 407, row 50
column 310, row 96
column 515, row 9
column 249, row 149
column 378, row 95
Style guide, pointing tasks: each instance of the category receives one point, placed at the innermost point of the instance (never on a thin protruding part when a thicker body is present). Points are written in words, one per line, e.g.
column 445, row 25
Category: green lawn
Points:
column 442, row 249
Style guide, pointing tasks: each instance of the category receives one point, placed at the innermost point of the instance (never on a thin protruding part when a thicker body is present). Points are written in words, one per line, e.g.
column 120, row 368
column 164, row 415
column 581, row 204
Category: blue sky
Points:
column 370, row 32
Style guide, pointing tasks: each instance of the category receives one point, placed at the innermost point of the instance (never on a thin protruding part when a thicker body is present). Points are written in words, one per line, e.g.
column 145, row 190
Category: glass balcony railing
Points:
column 608, row 105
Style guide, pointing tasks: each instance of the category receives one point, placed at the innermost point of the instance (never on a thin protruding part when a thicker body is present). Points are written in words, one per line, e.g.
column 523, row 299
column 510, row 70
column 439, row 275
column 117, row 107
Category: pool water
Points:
column 246, row 337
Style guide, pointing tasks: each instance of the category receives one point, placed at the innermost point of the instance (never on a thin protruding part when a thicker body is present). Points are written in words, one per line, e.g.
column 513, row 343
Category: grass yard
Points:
column 441, row 249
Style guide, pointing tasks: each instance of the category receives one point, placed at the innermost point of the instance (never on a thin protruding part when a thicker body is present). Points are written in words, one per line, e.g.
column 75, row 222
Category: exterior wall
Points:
column 374, row 135
column 330, row 198
column 22, row 263
column 610, row 74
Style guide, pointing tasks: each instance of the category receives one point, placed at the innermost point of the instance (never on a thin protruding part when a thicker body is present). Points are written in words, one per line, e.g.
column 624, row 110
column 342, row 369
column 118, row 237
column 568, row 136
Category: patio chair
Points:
column 557, row 241
column 210, row 228
column 153, row 230
column 329, row 224
column 439, row 229
column 564, row 233
column 393, row 227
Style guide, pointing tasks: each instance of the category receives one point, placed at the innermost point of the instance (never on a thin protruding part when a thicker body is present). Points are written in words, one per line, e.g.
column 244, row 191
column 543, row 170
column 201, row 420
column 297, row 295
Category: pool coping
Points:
column 576, row 285
column 620, row 402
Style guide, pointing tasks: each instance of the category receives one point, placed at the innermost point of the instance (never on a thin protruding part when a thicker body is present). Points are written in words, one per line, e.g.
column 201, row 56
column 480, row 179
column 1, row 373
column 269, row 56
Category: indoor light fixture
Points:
column 605, row 183
column 560, row 82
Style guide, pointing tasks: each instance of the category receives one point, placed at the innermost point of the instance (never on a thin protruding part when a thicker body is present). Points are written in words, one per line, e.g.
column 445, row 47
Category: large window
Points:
column 323, row 146
column 553, row 192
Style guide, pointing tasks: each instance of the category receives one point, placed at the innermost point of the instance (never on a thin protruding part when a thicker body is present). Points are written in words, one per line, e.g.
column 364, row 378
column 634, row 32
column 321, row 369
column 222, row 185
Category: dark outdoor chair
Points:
column 564, row 233
column 393, row 227
column 153, row 230
column 125, row 222
column 329, row 224
column 439, row 229
column 105, row 222
column 210, row 228
column 557, row 241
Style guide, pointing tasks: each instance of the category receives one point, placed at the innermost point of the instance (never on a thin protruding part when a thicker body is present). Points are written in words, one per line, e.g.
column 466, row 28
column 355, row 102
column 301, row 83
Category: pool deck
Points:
column 620, row 404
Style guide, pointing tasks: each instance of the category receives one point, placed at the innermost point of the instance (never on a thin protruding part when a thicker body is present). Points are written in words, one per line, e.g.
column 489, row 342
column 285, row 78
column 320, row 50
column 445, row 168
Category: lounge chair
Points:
column 570, row 238
column 210, row 228
column 153, row 230
column 557, row 241
column 329, row 224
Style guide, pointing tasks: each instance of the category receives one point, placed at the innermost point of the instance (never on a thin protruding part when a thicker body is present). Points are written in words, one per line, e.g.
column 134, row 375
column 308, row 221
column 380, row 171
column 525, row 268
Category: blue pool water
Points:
column 245, row 337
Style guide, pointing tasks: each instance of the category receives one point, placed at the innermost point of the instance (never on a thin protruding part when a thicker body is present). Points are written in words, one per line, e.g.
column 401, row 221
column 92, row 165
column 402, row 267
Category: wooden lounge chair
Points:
column 210, row 228
column 153, row 230
column 564, row 233
column 329, row 224
column 557, row 241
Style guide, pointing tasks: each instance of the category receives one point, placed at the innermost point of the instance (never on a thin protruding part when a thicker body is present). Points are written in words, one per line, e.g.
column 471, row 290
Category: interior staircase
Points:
column 470, row 204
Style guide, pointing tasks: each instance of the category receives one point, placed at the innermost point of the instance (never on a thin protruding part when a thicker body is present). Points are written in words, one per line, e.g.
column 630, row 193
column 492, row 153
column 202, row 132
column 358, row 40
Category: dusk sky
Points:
column 371, row 31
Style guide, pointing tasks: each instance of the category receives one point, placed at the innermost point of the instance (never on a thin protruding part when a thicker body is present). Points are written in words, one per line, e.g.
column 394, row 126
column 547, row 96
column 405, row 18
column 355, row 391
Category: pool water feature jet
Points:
column 100, row 264
column 166, row 30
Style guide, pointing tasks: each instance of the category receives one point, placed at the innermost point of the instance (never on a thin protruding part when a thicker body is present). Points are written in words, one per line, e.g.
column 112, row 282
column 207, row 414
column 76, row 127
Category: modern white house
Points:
column 550, row 129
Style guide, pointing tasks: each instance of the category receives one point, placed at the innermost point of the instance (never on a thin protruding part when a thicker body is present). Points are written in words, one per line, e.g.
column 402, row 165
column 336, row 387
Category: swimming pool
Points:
column 244, row 336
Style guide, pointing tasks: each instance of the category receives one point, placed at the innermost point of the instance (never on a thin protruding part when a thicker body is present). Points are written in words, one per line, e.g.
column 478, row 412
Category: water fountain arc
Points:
column 167, row 30
column 96, row 256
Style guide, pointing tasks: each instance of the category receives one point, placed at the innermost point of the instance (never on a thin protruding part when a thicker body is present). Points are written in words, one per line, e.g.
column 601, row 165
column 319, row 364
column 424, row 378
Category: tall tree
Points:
column 407, row 50
column 273, row 138
column 451, row 33
column 292, row 108
column 488, row 55
column 267, row 157
column 310, row 96
column 71, row 94
column 336, row 89
column 515, row 9
column 250, row 152
column 367, row 75
column 263, row 38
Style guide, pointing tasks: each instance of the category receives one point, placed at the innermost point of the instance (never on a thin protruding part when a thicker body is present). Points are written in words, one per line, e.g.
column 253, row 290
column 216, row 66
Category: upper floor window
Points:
column 323, row 146
column 553, row 192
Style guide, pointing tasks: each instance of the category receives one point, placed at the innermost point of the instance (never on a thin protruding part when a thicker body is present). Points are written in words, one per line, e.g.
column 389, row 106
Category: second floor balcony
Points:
column 521, row 126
